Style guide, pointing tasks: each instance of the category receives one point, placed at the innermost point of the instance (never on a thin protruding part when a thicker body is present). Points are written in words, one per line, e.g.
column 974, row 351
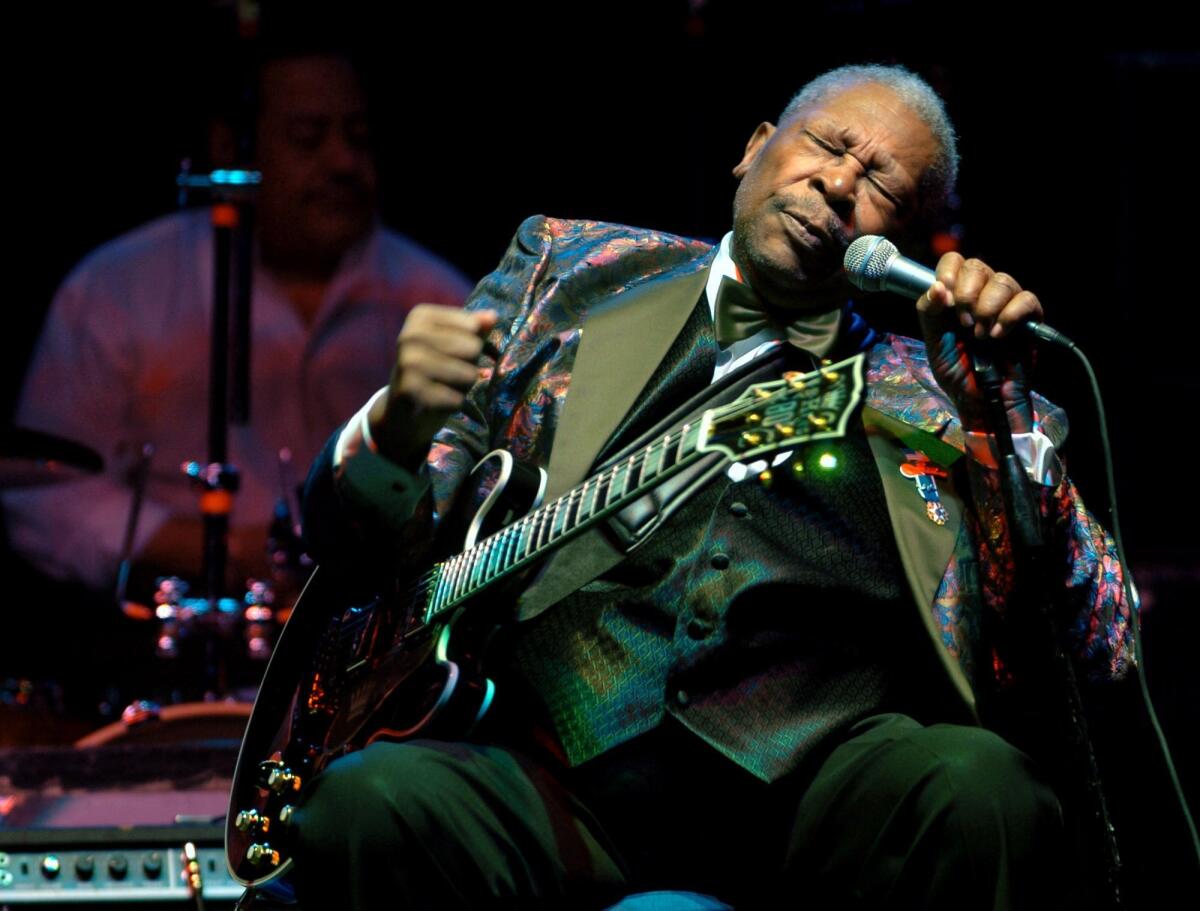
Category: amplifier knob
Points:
column 118, row 866
column 51, row 866
column 85, row 866
column 152, row 865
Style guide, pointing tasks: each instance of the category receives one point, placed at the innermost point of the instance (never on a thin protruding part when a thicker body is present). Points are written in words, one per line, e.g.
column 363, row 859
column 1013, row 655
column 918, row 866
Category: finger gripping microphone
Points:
column 873, row 263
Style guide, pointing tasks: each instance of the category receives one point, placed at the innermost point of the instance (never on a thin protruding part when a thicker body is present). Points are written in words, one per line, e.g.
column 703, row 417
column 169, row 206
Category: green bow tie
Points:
column 740, row 313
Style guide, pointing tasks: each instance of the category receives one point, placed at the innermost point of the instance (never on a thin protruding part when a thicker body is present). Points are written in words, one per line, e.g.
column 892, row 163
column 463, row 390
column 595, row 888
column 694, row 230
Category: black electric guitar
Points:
column 408, row 661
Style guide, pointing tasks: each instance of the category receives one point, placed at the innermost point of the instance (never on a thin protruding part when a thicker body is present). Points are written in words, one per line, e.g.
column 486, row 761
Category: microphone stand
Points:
column 1041, row 657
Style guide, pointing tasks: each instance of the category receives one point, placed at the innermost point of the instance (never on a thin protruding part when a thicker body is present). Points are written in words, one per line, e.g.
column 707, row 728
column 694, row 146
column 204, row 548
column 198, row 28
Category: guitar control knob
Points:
column 265, row 769
column 250, row 820
column 282, row 780
column 262, row 854
column 286, row 812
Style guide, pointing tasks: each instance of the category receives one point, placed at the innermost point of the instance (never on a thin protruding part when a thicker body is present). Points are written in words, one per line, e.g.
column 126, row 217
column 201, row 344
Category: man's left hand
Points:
column 971, row 300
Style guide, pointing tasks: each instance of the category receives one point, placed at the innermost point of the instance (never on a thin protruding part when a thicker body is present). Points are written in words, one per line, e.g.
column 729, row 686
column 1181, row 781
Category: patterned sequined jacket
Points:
column 560, row 280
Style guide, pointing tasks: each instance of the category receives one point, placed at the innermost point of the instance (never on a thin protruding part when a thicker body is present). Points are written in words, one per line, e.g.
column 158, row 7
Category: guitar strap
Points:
column 601, row 548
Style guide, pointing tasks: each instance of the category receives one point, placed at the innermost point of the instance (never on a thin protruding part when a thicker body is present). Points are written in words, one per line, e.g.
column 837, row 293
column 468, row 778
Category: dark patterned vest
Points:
column 731, row 616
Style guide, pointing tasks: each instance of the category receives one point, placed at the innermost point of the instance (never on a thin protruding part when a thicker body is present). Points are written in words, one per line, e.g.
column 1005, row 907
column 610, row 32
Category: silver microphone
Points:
column 873, row 263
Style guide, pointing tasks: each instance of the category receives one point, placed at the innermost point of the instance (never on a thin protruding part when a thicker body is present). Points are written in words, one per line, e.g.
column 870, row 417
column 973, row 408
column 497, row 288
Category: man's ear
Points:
column 757, row 140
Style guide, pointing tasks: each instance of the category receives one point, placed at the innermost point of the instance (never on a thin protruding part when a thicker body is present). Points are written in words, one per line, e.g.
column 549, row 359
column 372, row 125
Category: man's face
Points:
column 318, row 191
column 847, row 166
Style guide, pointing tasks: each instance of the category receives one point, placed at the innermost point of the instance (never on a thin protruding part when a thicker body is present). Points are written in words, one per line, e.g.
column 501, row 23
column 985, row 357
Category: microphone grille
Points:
column 866, row 261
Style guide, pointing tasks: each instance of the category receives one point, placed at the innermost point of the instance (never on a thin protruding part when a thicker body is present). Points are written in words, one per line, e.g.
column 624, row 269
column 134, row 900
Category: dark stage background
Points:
column 1078, row 176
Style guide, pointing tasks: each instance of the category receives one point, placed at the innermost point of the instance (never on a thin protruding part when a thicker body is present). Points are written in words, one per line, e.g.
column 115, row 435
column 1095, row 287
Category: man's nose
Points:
column 343, row 152
column 838, row 182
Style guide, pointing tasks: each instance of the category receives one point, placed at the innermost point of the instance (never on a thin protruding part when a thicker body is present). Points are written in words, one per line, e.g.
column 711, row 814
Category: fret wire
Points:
column 435, row 602
column 561, row 507
column 546, row 526
column 471, row 559
column 479, row 574
column 506, row 542
column 494, row 546
column 453, row 587
column 526, row 535
column 498, row 542
column 616, row 483
column 563, row 517
column 460, row 581
column 648, row 471
column 573, row 504
column 448, row 569
column 587, row 500
column 625, row 480
column 642, row 460
column 535, row 531
column 502, row 559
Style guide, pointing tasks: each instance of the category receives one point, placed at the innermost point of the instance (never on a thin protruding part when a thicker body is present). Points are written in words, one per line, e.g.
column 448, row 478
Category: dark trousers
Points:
column 897, row 815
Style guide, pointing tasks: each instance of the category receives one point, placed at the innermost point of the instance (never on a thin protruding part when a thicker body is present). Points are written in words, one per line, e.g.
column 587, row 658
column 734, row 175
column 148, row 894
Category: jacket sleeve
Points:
column 1093, row 612
column 345, row 528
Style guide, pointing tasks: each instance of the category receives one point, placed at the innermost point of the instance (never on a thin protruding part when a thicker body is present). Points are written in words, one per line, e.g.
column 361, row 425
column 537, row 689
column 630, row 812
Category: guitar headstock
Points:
column 784, row 413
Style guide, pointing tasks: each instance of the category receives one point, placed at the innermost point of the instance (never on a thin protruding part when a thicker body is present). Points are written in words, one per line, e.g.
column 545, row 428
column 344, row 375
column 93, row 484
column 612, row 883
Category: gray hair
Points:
column 938, row 182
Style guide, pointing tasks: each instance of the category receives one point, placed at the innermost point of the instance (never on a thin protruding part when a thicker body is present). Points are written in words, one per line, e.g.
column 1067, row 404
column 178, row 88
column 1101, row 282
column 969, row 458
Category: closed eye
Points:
column 869, row 173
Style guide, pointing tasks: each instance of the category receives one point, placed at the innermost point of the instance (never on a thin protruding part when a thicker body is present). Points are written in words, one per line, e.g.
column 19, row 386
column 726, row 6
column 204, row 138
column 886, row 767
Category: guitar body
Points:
column 408, row 662
column 369, row 671
column 355, row 690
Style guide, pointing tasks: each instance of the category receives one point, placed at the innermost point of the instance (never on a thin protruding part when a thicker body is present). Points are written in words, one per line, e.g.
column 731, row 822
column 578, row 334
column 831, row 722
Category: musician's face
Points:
column 318, row 191
column 846, row 166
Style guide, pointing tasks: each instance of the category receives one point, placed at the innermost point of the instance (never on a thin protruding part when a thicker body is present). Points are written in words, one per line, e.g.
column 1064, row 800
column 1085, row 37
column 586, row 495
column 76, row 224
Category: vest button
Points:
column 720, row 561
column 739, row 510
column 682, row 697
column 699, row 629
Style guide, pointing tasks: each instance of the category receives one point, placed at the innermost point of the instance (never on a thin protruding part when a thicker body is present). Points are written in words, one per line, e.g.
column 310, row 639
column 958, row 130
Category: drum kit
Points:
column 124, row 718
column 209, row 648
column 204, row 654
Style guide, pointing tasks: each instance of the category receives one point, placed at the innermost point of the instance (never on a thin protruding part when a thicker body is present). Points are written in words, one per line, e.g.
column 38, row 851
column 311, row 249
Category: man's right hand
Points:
column 437, row 356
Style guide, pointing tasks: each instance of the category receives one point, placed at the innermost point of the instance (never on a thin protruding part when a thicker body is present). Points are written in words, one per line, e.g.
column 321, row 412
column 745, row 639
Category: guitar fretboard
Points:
column 766, row 417
column 525, row 540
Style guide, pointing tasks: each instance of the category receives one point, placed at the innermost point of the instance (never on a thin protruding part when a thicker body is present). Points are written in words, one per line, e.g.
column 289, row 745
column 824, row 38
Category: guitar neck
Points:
column 526, row 540
column 766, row 417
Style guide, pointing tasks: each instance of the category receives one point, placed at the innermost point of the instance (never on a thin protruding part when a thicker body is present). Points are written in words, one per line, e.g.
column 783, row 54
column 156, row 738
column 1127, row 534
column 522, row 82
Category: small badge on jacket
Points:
column 924, row 473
